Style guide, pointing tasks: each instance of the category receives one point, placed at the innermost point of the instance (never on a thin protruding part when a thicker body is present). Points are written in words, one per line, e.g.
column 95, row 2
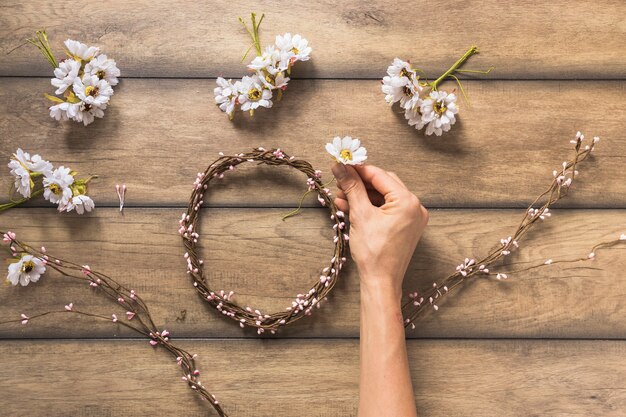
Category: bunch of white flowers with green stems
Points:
column 271, row 69
column 84, row 80
column 424, row 104
column 59, row 186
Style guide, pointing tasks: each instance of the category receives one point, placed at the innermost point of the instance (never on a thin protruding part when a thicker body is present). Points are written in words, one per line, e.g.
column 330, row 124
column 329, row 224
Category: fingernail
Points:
column 339, row 171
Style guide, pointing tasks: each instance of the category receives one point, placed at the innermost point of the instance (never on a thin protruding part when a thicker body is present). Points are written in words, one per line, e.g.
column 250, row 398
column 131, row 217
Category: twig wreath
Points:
column 304, row 303
column 29, row 263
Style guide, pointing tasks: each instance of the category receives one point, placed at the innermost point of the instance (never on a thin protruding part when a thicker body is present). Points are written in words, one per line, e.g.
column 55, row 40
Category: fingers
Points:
column 349, row 181
column 342, row 204
column 375, row 197
column 380, row 179
column 395, row 177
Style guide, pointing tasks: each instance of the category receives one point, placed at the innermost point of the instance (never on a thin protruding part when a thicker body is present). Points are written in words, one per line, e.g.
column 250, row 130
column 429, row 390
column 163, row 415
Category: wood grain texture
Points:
column 351, row 39
column 267, row 262
column 284, row 378
column 159, row 133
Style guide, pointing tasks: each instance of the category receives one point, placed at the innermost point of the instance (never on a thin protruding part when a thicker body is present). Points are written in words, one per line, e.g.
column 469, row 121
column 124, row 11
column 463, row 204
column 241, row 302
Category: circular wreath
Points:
column 304, row 303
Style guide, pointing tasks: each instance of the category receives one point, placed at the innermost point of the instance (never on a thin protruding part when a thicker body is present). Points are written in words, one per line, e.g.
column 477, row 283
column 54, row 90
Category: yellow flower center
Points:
column 439, row 107
column 101, row 74
column 269, row 78
column 295, row 50
column 408, row 91
column 28, row 266
column 346, row 155
column 254, row 94
column 91, row 90
column 55, row 188
column 404, row 73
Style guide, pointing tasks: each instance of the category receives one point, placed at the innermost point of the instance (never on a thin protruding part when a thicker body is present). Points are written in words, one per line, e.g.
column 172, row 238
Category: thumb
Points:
column 349, row 181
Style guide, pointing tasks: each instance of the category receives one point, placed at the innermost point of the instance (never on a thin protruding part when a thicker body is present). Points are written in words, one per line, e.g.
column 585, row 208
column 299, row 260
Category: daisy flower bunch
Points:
column 58, row 185
column 270, row 72
column 84, row 80
column 425, row 105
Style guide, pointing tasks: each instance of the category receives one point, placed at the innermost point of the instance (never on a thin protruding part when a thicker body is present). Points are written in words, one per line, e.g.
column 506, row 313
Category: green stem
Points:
column 15, row 203
column 297, row 210
column 473, row 50
column 254, row 34
column 41, row 42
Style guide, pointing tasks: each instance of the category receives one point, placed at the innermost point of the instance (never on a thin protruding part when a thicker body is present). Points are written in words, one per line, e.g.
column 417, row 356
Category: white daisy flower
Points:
column 400, row 68
column 28, row 269
column 414, row 117
column 81, row 203
column 394, row 88
column 347, row 151
column 269, row 60
column 22, row 165
column 438, row 111
column 65, row 74
column 80, row 50
column 57, row 186
column 104, row 69
column 253, row 94
column 92, row 90
column 295, row 48
column 226, row 94
column 87, row 113
column 64, row 111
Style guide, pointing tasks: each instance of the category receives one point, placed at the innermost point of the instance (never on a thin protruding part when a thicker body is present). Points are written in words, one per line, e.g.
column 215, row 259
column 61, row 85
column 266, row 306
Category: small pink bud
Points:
column 69, row 307
column 130, row 315
column 154, row 342
column 114, row 318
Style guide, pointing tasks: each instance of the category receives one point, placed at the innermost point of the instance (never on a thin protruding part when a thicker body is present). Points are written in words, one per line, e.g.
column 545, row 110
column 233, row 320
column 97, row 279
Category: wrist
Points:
column 381, row 290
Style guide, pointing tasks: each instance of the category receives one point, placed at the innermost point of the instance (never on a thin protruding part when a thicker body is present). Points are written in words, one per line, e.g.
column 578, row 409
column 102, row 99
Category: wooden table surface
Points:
column 550, row 342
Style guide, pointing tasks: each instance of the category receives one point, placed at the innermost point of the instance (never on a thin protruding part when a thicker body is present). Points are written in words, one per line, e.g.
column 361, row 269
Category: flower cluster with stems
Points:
column 59, row 186
column 425, row 105
column 271, row 69
column 84, row 80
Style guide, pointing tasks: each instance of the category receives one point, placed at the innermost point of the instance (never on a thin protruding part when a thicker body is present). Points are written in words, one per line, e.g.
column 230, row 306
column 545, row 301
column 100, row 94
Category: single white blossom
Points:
column 400, row 68
column 81, row 203
column 347, row 151
column 92, row 90
column 80, row 50
column 438, row 111
column 28, row 269
column 294, row 48
column 64, row 111
column 394, row 89
column 22, row 165
column 65, row 74
column 226, row 94
column 253, row 94
column 57, row 186
column 87, row 113
column 414, row 117
column 103, row 68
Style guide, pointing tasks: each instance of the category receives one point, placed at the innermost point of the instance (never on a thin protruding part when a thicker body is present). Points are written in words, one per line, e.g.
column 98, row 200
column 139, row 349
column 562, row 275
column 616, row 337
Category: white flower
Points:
column 65, row 74
column 57, row 186
column 104, row 69
column 269, row 60
column 394, row 88
column 92, row 90
column 27, row 269
column 80, row 50
column 400, row 68
column 294, row 48
column 253, row 94
column 22, row 165
column 414, row 117
column 81, row 203
column 86, row 113
column 64, row 111
column 347, row 151
column 438, row 111
column 226, row 94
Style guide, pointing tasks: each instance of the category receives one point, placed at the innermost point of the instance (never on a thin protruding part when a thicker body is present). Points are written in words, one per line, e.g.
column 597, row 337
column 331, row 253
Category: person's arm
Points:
column 386, row 222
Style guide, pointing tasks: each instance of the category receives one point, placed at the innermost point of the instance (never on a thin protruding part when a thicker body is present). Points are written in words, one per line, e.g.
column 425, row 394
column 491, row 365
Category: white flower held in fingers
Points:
column 57, row 186
column 347, row 151
column 26, row 270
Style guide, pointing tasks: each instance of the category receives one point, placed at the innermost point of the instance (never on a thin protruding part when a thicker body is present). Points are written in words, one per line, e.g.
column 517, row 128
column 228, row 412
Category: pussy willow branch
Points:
column 140, row 322
column 304, row 303
column 558, row 189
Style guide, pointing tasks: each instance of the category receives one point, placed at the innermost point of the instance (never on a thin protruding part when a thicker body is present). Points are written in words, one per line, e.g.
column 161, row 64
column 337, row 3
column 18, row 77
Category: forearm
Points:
column 385, row 380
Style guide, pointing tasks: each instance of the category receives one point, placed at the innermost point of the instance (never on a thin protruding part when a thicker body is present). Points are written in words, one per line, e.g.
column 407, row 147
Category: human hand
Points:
column 386, row 222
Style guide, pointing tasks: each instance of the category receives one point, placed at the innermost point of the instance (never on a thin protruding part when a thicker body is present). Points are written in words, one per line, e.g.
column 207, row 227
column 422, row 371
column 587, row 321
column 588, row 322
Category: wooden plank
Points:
column 283, row 378
column 267, row 262
column 184, row 38
column 500, row 154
